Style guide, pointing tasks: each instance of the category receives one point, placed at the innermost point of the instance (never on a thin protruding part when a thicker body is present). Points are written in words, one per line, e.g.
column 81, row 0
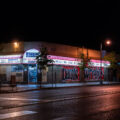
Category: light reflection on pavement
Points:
column 82, row 103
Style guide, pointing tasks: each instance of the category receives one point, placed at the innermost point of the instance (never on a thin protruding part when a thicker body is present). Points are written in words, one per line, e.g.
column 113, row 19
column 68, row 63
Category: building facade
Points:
column 19, row 59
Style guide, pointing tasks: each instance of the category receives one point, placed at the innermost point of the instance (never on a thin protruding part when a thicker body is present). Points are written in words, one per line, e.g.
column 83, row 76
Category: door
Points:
column 32, row 73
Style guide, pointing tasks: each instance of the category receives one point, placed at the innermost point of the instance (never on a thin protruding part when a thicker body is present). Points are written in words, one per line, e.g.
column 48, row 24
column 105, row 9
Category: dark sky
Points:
column 82, row 24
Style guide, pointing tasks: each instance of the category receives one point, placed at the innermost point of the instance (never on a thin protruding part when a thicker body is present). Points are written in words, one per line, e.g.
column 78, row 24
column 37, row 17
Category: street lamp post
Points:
column 13, row 73
column 107, row 42
column 101, row 82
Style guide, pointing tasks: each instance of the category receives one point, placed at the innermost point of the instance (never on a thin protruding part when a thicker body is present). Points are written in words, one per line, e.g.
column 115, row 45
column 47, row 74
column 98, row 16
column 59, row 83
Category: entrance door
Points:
column 32, row 73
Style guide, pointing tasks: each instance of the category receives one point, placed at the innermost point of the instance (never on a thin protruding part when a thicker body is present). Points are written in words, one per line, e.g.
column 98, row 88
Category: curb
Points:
column 52, row 88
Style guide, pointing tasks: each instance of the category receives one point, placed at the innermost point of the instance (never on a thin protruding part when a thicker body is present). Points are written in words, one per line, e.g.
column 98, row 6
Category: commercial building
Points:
column 19, row 59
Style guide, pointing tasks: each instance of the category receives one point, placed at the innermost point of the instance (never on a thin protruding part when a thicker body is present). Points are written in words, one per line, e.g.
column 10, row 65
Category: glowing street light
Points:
column 108, row 42
column 16, row 44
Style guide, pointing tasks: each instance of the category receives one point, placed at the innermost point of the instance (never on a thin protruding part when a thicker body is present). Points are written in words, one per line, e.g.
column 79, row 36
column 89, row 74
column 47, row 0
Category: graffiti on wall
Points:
column 94, row 73
column 71, row 73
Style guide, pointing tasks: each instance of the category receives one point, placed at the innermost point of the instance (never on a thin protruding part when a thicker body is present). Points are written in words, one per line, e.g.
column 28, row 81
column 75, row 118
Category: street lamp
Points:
column 13, row 73
column 16, row 45
column 108, row 43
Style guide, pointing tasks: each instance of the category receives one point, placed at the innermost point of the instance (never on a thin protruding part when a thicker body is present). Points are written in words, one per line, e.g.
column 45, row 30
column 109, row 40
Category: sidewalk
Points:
column 23, row 88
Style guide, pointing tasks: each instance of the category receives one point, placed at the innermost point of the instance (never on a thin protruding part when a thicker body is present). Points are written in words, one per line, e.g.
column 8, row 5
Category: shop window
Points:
column 17, row 68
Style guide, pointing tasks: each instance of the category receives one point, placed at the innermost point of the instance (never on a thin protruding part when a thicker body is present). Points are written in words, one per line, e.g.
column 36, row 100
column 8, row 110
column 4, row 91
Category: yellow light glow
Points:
column 108, row 42
column 16, row 45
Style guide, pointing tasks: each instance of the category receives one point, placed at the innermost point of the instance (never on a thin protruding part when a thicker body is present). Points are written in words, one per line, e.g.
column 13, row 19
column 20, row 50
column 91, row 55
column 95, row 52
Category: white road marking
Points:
column 22, row 99
column 16, row 114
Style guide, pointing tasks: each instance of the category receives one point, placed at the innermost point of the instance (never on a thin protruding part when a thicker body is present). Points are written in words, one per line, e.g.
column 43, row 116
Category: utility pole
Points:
column 101, row 82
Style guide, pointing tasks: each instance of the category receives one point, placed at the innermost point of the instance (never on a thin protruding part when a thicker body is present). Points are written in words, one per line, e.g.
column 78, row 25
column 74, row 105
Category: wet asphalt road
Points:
column 79, row 103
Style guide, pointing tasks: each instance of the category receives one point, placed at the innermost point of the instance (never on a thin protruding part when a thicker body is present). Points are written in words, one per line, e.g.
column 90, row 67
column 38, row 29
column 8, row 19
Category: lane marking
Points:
column 2, row 98
column 16, row 114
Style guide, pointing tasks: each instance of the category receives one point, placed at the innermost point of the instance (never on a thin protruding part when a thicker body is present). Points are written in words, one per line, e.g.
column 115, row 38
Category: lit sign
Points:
column 61, row 58
column 10, row 56
column 30, row 56
column 58, row 60
column 99, row 64
column 65, row 62
column 10, row 59
column 29, row 60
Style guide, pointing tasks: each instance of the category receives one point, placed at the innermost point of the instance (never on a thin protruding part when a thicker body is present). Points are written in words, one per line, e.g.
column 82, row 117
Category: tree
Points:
column 84, row 63
column 42, row 61
column 113, row 58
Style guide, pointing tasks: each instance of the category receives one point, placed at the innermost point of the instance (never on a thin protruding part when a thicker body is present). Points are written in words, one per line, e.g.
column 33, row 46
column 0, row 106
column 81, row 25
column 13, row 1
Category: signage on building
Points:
column 97, row 63
column 58, row 60
column 10, row 56
column 65, row 62
column 30, row 56
column 11, row 59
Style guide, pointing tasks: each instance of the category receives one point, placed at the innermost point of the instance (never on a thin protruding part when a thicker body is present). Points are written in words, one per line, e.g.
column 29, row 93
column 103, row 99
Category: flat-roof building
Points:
column 20, row 59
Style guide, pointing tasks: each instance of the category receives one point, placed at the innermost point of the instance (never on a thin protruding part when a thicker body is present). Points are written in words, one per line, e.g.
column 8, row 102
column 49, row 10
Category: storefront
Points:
column 9, row 65
column 23, row 66
column 29, row 59
column 64, row 69
column 67, row 70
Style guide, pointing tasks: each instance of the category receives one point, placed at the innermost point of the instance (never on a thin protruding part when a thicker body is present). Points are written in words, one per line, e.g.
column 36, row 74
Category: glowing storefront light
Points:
column 30, row 56
column 65, row 62
column 11, row 59
column 97, row 63
column 58, row 60
column 10, row 56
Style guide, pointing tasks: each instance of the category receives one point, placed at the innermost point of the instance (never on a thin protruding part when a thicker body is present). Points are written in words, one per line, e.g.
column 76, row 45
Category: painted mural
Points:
column 73, row 73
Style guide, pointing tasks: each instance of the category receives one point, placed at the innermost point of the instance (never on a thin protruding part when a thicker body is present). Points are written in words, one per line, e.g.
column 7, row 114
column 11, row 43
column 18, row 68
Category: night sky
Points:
column 81, row 24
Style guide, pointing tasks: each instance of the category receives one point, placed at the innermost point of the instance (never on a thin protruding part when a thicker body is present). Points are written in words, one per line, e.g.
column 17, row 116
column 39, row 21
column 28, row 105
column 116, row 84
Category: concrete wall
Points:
column 53, row 49
column 62, row 50
column 9, row 48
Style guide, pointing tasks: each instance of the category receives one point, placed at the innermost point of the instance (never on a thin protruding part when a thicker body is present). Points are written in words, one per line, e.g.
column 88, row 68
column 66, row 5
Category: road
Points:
column 78, row 103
